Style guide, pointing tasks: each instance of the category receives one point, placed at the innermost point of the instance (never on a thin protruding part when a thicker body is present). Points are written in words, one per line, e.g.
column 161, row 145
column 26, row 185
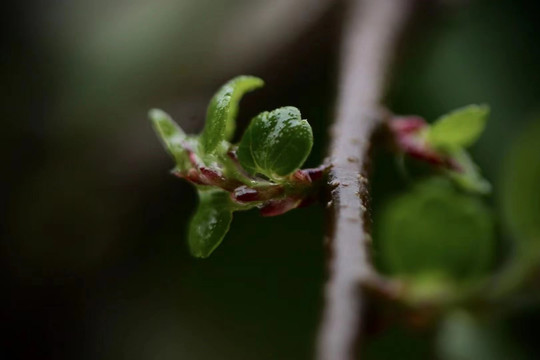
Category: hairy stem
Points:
column 370, row 39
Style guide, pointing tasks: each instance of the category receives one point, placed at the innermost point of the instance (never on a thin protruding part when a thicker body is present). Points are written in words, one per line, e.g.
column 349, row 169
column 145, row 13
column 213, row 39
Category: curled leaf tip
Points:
column 157, row 114
column 222, row 110
column 164, row 124
column 171, row 135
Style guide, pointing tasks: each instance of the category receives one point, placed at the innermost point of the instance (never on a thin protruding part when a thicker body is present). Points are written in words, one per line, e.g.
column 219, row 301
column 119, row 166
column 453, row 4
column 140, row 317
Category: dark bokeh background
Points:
column 94, row 262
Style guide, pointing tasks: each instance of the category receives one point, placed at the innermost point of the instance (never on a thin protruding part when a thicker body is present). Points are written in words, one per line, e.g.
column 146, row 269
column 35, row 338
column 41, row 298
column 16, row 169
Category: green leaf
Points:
column 464, row 337
column 222, row 110
column 459, row 128
column 469, row 178
column 436, row 230
column 171, row 135
column 521, row 186
column 276, row 143
column 210, row 222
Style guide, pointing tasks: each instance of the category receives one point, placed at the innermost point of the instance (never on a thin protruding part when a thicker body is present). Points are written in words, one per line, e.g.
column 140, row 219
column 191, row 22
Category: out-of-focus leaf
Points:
column 276, row 143
column 521, row 185
column 434, row 288
column 463, row 337
column 434, row 229
column 222, row 110
column 469, row 178
column 210, row 222
column 520, row 206
column 171, row 135
column 459, row 128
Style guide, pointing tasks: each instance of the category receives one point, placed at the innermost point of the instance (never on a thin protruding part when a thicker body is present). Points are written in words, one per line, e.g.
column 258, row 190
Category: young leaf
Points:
column 469, row 178
column 459, row 128
column 222, row 111
column 172, row 136
column 210, row 222
column 434, row 229
column 465, row 337
column 276, row 143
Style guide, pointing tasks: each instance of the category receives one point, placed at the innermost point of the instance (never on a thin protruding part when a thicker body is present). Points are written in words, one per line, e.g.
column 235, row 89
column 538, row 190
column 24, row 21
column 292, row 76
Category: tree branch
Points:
column 370, row 39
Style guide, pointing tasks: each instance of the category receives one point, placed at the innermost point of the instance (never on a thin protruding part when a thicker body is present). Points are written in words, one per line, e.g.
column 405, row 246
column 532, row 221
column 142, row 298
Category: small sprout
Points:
column 245, row 194
column 443, row 143
column 227, row 176
column 317, row 173
column 279, row 206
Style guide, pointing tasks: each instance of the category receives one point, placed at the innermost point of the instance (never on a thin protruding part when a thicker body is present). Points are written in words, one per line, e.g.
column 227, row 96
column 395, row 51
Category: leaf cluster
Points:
column 439, row 236
column 262, row 170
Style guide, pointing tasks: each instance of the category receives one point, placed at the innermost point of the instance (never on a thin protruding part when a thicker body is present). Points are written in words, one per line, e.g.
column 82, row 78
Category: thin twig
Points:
column 370, row 39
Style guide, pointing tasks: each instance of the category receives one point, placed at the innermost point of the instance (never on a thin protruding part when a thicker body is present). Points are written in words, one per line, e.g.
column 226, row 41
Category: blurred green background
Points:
column 93, row 252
